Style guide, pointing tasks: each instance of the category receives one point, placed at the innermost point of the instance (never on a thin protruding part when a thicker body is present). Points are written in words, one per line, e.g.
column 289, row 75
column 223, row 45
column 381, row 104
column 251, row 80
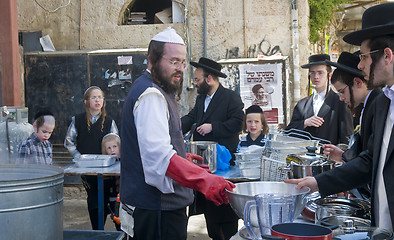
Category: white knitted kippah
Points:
column 168, row 35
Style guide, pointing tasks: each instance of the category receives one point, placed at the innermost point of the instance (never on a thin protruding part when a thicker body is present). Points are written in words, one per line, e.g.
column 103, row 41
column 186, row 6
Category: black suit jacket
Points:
column 337, row 126
column 224, row 113
column 363, row 169
column 363, row 136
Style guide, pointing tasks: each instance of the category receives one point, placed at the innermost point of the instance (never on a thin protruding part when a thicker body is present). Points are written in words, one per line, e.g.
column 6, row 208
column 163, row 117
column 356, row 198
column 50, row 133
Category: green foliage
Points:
column 321, row 13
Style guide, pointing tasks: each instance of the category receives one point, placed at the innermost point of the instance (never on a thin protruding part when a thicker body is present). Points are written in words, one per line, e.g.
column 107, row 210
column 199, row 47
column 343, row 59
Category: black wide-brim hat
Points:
column 347, row 62
column 210, row 66
column 317, row 59
column 376, row 21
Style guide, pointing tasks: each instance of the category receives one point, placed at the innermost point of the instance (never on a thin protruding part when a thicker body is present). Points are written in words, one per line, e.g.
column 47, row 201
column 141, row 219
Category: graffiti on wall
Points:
column 264, row 47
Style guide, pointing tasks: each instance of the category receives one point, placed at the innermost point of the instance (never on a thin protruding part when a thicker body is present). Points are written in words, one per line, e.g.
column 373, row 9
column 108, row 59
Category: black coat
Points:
column 363, row 169
column 224, row 113
column 337, row 126
column 363, row 136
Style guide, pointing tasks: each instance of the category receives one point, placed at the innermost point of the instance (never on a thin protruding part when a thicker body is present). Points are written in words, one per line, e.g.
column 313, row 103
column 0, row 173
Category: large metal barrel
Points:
column 31, row 202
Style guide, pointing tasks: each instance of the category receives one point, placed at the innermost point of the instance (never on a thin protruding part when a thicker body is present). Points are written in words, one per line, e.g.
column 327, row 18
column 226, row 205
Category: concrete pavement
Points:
column 76, row 216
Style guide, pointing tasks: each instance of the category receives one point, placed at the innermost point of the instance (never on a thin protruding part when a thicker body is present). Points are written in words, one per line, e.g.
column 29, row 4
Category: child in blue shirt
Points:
column 256, row 126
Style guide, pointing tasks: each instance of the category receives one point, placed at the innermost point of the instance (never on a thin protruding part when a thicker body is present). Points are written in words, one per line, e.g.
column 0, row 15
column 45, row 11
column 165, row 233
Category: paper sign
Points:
column 125, row 60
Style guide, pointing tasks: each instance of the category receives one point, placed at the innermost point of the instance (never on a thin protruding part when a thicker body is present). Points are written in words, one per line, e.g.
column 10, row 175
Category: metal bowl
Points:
column 246, row 191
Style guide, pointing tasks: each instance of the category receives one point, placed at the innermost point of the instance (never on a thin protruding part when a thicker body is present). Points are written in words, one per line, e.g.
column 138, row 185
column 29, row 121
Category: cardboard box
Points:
column 164, row 16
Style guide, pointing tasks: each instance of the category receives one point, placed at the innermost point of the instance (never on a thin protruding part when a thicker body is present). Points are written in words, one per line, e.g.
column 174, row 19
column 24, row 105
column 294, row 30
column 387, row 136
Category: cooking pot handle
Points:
column 248, row 208
column 270, row 237
column 328, row 225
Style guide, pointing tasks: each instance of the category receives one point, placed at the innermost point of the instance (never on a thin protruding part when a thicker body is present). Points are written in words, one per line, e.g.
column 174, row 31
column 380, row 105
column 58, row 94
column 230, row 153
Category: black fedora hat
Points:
column 317, row 59
column 347, row 62
column 209, row 65
column 376, row 21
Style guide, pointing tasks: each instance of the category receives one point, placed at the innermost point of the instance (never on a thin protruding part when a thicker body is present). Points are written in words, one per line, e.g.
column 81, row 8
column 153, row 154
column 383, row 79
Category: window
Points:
column 148, row 12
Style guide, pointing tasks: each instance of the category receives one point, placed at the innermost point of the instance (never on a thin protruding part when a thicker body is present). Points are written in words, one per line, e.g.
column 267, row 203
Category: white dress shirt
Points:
column 318, row 100
column 151, row 120
column 207, row 101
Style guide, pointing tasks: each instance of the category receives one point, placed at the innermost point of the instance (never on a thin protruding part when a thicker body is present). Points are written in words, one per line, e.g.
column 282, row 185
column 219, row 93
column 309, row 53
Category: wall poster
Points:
column 261, row 84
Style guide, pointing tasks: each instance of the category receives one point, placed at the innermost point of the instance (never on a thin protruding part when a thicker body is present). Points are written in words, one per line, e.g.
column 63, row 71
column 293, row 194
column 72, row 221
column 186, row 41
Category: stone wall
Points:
column 88, row 25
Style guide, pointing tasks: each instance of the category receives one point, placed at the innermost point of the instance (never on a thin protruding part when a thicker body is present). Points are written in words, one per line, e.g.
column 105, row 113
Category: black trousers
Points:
column 90, row 184
column 221, row 221
column 160, row 225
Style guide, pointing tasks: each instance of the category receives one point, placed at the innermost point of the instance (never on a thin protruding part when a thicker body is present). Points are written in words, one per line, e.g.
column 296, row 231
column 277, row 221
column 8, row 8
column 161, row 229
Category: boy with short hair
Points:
column 36, row 149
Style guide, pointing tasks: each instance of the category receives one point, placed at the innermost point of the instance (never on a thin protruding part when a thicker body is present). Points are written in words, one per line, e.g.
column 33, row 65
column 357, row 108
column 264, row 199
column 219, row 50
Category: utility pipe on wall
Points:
column 245, row 39
column 190, row 85
column 295, row 49
column 204, row 6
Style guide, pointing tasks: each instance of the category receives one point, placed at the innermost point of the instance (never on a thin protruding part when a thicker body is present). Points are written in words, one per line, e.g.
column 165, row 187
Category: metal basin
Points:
column 31, row 202
column 246, row 191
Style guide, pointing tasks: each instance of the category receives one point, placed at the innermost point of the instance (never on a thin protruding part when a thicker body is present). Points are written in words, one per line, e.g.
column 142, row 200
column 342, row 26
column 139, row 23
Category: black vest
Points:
column 89, row 142
column 134, row 190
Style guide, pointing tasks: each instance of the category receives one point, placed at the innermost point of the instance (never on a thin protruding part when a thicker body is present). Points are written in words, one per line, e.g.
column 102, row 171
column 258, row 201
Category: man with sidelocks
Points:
column 376, row 164
column 156, row 177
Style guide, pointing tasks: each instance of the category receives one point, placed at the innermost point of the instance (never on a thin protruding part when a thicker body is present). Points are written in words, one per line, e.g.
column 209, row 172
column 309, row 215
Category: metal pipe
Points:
column 204, row 54
column 245, row 39
column 190, row 85
column 295, row 48
column 8, row 137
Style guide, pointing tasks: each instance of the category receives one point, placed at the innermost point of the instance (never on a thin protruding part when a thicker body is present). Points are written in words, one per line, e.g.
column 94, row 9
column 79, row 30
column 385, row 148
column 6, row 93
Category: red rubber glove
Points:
column 191, row 157
column 189, row 175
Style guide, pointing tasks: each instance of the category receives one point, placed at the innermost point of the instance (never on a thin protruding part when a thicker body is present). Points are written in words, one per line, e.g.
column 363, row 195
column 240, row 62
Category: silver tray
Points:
column 95, row 160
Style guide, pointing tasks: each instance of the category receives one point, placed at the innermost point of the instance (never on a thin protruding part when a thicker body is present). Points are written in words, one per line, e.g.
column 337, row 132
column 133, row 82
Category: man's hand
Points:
column 313, row 121
column 334, row 152
column 191, row 157
column 306, row 181
column 204, row 129
column 199, row 160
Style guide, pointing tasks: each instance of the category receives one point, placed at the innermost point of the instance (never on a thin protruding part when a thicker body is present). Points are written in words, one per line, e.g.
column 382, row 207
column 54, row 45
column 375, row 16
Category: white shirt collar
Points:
column 322, row 94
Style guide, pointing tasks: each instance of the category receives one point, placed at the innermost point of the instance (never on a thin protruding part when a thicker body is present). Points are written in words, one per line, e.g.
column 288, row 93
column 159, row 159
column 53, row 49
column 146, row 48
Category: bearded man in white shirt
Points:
column 156, row 178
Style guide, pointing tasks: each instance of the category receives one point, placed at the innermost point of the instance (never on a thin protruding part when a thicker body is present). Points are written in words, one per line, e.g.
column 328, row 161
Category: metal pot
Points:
column 346, row 207
column 31, row 202
column 308, row 164
column 207, row 150
column 345, row 227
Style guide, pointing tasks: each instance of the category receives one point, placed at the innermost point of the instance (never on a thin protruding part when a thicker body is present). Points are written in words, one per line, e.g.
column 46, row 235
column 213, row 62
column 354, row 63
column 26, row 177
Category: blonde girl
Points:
column 84, row 136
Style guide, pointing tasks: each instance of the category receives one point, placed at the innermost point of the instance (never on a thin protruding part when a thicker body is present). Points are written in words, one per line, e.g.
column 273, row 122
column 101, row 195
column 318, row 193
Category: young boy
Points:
column 36, row 149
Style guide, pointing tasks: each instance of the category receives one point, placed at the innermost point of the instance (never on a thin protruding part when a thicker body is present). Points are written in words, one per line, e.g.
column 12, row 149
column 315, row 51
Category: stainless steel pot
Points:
column 346, row 207
column 308, row 164
column 207, row 150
